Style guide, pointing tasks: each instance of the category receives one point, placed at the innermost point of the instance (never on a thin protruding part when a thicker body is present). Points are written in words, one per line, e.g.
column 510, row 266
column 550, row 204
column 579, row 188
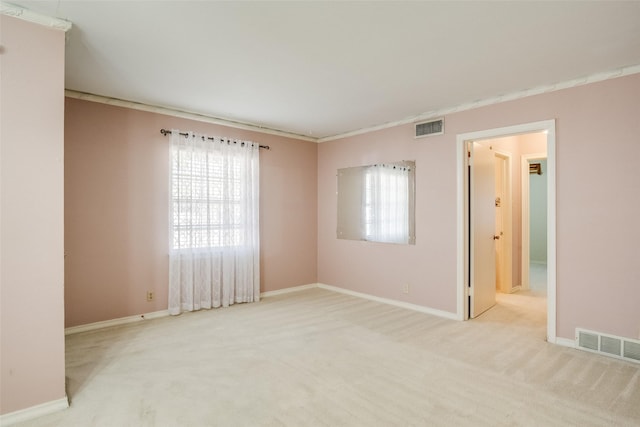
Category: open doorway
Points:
column 533, row 172
column 486, row 238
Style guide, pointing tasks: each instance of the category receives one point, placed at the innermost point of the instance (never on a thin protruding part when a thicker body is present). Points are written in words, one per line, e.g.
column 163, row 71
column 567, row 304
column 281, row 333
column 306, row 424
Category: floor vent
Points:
column 430, row 128
column 608, row 345
column 632, row 351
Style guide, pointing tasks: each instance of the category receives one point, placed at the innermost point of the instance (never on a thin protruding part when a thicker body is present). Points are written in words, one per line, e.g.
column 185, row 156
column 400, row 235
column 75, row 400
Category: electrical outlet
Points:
column 150, row 296
column 405, row 288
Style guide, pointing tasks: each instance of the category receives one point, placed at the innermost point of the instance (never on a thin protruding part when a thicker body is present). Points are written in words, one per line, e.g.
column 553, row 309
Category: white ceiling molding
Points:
column 37, row 18
column 494, row 100
column 413, row 119
column 183, row 114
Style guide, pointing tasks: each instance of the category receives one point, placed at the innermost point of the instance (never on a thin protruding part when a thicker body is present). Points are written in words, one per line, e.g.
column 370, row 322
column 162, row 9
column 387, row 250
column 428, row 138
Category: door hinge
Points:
column 468, row 291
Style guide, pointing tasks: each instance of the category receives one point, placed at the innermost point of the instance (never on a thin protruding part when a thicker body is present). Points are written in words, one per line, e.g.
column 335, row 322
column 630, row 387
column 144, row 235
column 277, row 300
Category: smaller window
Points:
column 376, row 203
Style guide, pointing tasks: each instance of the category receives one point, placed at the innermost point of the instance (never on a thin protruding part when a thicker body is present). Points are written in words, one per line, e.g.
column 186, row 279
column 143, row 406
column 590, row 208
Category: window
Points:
column 209, row 195
column 386, row 204
column 214, row 257
column 377, row 203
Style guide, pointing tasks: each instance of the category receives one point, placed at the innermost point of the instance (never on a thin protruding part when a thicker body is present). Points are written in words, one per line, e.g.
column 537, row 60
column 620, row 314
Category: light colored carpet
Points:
column 319, row 358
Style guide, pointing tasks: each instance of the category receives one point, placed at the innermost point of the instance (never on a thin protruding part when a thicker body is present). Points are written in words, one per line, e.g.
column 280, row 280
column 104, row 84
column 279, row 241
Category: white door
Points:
column 482, row 229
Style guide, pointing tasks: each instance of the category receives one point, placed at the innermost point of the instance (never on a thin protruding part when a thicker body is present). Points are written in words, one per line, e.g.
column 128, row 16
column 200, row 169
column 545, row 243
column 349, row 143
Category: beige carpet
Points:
column 319, row 358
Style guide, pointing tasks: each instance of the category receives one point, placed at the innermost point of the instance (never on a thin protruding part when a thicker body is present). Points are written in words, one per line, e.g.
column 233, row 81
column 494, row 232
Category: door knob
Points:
column 496, row 237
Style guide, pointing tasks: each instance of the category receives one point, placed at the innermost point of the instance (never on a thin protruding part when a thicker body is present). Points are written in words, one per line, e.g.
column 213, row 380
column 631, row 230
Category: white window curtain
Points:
column 386, row 203
column 214, row 241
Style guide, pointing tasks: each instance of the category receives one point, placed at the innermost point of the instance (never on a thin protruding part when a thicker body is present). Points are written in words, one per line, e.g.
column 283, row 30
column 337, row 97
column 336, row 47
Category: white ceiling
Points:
column 321, row 69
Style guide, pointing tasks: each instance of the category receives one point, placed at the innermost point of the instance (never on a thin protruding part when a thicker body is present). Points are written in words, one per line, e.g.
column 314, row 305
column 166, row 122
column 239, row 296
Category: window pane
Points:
column 206, row 192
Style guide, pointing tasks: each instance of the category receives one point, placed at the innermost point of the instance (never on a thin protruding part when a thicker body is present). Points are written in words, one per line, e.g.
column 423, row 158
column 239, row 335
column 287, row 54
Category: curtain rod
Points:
column 168, row 132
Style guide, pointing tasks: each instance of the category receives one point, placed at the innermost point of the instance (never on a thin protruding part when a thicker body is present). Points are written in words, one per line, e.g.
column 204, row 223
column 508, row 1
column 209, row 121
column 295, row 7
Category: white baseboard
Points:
column 34, row 412
column 515, row 289
column 288, row 290
column 396, row 303
column 409, row 306
column 163, row 313
column 115, row 322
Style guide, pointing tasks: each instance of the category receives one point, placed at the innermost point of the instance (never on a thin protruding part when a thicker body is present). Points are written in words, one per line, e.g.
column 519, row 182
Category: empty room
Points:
column 308, row 213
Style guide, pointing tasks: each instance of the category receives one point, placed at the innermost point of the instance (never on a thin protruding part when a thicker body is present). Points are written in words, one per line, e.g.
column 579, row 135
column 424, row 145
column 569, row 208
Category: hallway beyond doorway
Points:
column 538, row 278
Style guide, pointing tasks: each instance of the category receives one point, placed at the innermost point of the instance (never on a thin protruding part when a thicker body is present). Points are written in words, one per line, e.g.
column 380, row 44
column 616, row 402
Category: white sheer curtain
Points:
column 386, row 203
column 213, row 222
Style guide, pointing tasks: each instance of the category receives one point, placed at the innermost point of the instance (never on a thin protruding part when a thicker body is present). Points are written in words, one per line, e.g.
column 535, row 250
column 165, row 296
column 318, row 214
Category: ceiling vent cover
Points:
column 430, row 128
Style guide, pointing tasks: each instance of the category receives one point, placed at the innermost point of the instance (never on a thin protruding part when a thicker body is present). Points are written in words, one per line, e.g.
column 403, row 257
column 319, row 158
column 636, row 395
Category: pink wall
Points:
column 116, row 199
column 598, row 203
column 32, row 258
column 378, row 268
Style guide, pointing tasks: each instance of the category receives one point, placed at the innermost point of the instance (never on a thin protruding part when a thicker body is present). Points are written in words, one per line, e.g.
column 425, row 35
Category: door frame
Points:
column 524, row 180
column 462, row 229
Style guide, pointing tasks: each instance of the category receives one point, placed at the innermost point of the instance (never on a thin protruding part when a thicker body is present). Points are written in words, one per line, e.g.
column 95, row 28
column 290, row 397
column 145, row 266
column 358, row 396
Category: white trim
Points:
column 434, row 114
column 34, row 412
column 524, row 213
column 594, row 78
column 168, row 111
column 401, row 304
column 550, row 127
column 164, row 313
column 288, row 290
column 36, row 18
column 461, row 230
column 551, row 232
column 115, row 322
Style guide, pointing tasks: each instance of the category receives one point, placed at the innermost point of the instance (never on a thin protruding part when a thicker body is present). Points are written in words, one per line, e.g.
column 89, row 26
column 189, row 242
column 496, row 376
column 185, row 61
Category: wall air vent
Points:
column 632, row 351
column 608, row 345
column 430, row 128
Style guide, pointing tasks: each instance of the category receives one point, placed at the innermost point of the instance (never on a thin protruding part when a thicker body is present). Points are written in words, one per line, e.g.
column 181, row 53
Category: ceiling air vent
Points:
column 430, row 128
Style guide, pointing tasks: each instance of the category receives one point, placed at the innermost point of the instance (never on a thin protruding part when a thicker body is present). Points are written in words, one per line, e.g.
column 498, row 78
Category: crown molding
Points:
column 594, row 78
column 183, row 114
column 37, row 18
